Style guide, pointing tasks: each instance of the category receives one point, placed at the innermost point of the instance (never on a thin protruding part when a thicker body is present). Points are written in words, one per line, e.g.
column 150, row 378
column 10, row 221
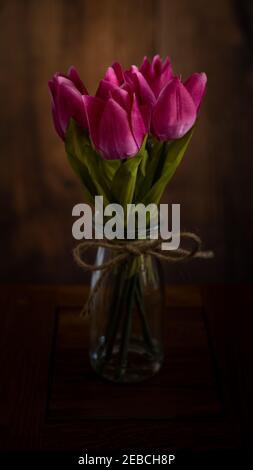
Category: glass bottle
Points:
column 126, row 319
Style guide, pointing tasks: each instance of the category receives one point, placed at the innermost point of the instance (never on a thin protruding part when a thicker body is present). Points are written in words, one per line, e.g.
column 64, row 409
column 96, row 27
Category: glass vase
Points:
column 126, row 323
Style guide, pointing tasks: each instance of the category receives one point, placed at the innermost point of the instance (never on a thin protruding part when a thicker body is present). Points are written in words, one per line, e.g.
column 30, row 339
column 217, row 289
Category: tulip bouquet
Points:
column 126, row 142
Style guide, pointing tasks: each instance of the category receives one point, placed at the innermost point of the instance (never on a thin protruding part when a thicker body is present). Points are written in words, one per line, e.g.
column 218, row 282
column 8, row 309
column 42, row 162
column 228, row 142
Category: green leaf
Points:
column 123, row 183
column 109, row 168
column 145, row 178
column 78, row 145
column 88, row 187
column 170, row 159
column 143, row 164
column 141, row 175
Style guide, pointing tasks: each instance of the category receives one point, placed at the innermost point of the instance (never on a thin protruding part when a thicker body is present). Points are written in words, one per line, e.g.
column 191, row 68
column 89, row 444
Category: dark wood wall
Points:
column 213, row 184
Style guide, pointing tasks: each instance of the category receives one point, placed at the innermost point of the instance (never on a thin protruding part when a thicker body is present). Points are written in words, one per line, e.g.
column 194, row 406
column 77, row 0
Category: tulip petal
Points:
column 116, row 140
column 146, row 113
column 74, row 77
column 69, row 104
column 66, row 103
column 105, row 89
column 111, row 76
column 114, row 74
column 145, row 67
column 159, row 83
column 157, row 65
column 140, row 86
column 196, row 86
column 118, row 72
column 167, row 65
column 124, row 98
column 174, row 113
column 56, row 122
column 94, row 108
column 157, row 74
column 137, row 124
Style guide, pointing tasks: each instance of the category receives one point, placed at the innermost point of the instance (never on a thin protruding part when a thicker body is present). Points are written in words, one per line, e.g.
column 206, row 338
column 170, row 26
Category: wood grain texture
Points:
column 50, row 399
column 185, row 387
column 38, row 189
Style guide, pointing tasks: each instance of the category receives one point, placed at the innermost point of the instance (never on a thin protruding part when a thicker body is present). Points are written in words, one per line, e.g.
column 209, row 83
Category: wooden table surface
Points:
column 50, row 398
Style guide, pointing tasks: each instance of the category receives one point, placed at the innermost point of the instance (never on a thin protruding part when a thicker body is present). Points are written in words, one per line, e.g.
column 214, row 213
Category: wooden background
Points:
column 214, row 183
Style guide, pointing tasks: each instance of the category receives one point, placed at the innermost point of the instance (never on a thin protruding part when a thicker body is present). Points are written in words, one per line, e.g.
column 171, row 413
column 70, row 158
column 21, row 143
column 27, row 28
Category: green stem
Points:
column 114, row 320
column 126, row 329
column 145, row 327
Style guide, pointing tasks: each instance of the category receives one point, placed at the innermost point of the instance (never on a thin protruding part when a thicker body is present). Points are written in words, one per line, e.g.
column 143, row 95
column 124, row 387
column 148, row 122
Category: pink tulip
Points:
column 177, row 106
column 115, row 74
column 113, row 79
column 140, row 86
column 128, row 105
column 116, row 125
column 157, row 73
column 196, row 86
column 137, row 83
column 67, row 102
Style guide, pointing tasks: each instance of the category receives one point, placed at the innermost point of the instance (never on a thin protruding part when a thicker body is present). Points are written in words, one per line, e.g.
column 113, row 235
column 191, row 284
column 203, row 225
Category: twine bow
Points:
column 124, row 250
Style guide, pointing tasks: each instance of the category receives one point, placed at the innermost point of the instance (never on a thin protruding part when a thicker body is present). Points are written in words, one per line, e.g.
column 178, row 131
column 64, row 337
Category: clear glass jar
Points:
column 126, row 323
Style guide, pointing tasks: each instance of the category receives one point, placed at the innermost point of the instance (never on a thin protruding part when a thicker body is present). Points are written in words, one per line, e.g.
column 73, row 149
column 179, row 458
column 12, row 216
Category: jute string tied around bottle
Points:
column 125, row 249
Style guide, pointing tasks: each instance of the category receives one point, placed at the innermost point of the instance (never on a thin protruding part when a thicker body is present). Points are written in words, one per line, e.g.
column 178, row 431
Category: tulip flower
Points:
column 128, row 105
column 114, row 78
column 116, row 125
column 176, row 109
column 157, row 73
column 196, row 86
column 66, row 92
column 140, row 86
column 137, row 83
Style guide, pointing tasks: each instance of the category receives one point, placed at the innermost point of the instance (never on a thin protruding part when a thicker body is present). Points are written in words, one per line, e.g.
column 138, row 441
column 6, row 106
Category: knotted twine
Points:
column 124, row 250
